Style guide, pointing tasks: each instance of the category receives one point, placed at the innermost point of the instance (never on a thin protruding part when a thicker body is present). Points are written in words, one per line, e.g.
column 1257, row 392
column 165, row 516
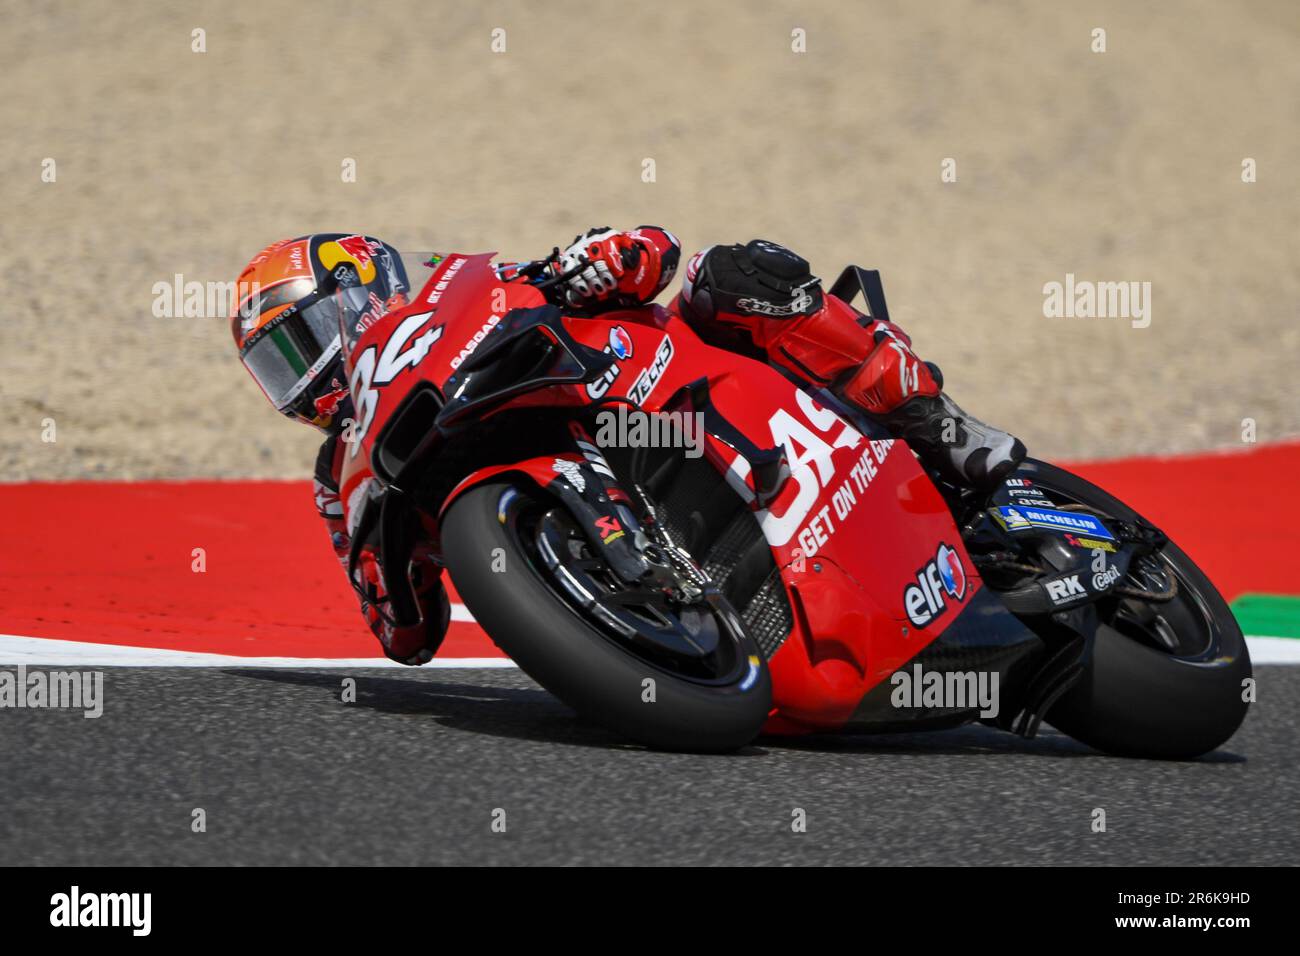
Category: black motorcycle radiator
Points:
column 703, row 515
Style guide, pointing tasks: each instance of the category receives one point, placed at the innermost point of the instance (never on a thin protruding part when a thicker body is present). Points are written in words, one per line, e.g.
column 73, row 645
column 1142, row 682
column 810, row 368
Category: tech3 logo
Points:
column 924, row 598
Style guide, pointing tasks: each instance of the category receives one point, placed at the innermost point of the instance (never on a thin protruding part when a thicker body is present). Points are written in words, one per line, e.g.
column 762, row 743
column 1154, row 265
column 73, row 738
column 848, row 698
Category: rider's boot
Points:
column 963, row 449
column 762, row 297
column 906, row 395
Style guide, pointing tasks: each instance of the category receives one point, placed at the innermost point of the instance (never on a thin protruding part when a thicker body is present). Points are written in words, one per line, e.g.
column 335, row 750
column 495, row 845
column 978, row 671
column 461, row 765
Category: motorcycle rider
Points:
column 760, row 299
column 287, row 330
column 757, row 298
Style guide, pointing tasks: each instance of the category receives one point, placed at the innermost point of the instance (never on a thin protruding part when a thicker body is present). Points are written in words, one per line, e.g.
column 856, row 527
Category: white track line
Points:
column 15, row 649
column 38, row 650
column 1274, row 650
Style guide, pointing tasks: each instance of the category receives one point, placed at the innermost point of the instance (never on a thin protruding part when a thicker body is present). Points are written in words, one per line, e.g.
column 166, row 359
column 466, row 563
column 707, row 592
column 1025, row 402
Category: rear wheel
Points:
column 1166, row 677
column 667, row 674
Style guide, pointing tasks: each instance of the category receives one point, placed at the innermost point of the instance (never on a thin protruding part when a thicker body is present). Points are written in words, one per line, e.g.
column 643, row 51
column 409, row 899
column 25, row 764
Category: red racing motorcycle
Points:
column 689, row 548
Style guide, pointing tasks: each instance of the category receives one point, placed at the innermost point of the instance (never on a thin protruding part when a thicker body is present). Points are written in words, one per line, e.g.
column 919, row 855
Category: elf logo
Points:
column 927, row 597
column 620, row 343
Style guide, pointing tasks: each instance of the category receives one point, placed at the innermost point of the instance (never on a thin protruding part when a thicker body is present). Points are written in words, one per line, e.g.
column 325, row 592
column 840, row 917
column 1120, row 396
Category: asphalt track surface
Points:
column 413, row 770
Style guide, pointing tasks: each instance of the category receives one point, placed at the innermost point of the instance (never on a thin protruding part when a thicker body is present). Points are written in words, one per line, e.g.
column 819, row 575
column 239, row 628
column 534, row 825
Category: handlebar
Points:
column 539, row 266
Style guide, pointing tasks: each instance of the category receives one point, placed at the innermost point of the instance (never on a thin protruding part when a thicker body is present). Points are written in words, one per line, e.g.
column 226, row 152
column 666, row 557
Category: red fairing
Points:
column 462, row 301
column 859, row 533
column 850, row 530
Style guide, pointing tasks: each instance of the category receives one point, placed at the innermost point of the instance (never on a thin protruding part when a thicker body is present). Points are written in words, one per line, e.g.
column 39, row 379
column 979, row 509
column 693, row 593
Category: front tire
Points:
column 513, row 596
column 1168, row 684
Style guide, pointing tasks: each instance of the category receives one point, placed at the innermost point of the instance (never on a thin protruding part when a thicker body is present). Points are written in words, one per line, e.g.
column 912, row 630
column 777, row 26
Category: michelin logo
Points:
column 1022, row 517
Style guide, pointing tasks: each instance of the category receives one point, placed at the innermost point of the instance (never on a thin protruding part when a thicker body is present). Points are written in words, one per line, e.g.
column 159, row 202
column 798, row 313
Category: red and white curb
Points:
column 178, row 578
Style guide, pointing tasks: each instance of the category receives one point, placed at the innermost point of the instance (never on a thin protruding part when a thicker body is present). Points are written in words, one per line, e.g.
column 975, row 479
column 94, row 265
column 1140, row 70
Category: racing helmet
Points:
column 291, row 301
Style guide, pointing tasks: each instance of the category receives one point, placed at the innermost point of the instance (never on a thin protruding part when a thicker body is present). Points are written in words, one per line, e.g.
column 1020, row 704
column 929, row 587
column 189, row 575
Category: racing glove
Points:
column 623, row 268
column 407, row 645
column 411, row 645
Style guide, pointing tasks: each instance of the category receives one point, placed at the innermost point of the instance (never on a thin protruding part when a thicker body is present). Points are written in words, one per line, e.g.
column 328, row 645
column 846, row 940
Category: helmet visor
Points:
column 287, row 353
column 353, row 302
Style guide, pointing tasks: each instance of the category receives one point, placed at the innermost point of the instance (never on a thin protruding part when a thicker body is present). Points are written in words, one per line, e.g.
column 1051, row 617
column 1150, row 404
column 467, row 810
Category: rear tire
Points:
column 571, row 657
column 1137, row 700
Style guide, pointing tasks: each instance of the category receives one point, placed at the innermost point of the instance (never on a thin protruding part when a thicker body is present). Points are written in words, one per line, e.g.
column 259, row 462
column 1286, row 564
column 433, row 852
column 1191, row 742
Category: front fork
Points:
column 635, row 546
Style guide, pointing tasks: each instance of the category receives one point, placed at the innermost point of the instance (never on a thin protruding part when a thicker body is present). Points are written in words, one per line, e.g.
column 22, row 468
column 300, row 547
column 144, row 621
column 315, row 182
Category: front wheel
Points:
column 672, row 676
column 1166, row 679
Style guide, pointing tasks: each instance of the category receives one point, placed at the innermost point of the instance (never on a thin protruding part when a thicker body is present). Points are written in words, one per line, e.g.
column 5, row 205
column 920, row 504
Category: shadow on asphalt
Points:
column 533, row 714
column 971, row 739
column 519, row 713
